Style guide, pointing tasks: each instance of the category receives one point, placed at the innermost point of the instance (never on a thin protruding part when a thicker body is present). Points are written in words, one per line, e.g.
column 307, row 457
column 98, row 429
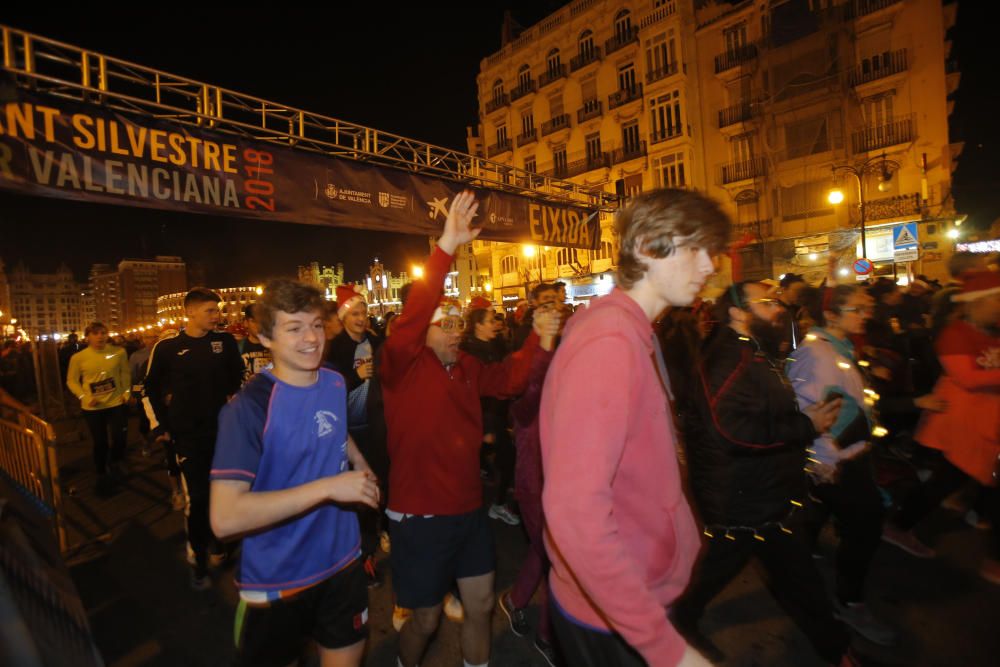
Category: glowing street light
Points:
column 418, row 271
column 259, row 290
column 952, row 233
column 835, row 196
column 528, row 251
column 488, row 287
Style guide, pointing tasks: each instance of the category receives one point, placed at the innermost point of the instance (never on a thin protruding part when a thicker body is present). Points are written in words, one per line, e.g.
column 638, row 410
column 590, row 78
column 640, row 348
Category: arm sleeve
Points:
column 73, row 376
column 742, row 416
column 964, row 371
column 526, row 408
column 154, row 388
column 409, row 330
column 238, row 445
column 236, row 366
column 582, row 449
column 509, row 377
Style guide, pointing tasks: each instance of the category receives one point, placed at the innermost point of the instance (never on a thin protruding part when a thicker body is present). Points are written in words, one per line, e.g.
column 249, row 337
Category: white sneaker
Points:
column 504, row 514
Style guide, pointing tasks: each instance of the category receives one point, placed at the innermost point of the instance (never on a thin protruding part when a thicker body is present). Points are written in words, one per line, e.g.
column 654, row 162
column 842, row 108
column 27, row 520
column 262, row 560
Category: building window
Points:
column 630, row 137
column 498, row 91
column 593, row 143
column 806, row 137
column 877, row 110
column 668, row 171
column 741, row 148
column 527, row 123
column 524, row 77
column 661, row 53
column 623, row 25
column 553, row 63
column 735, row 38
column 555, row 105
column 501, row 135
column 588, row 89
column 559, row 159
column 626, row 77
column 509, row 264
column 665, row 115
column 606, row 251
column 529, row 164
column 586, row 44
column 567, row 257
column 803, row 200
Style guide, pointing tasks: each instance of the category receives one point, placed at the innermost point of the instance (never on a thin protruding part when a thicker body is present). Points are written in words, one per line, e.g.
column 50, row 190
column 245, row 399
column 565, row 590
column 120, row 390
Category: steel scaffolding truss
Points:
column 59, row 69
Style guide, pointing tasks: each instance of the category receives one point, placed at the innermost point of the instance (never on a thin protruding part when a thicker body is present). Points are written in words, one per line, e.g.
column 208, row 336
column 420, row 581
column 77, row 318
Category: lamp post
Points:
column 529, row 252
column 836, row 195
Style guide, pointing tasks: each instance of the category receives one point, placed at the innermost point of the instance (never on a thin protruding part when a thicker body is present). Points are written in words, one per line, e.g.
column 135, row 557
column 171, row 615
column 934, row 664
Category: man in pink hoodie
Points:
column 620, row 533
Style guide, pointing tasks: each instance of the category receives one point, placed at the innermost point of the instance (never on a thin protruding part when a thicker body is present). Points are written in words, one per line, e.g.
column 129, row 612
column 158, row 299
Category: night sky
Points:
column 408, row 69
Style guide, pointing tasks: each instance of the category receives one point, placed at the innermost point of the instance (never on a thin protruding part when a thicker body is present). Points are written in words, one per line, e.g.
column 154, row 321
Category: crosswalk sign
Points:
column 904, row 237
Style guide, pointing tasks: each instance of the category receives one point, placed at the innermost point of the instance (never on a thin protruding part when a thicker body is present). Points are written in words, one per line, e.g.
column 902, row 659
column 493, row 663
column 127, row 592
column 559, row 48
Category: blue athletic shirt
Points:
column 276, row 436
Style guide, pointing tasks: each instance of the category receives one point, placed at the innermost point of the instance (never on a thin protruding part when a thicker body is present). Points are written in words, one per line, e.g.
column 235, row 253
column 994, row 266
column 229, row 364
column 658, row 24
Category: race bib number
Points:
column 102, row 387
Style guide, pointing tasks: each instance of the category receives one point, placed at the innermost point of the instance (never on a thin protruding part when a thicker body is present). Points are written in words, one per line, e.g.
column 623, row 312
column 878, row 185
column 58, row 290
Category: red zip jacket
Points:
column 620, row 533
column 432, row 413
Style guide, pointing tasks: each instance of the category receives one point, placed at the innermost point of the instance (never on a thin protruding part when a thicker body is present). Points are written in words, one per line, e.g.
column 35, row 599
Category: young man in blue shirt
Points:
column 282, row 480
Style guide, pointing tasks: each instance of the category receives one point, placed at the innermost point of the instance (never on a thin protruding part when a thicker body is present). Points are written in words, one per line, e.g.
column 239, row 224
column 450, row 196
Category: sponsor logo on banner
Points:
column 505, row 220
column 437, row 205
column 52, row 146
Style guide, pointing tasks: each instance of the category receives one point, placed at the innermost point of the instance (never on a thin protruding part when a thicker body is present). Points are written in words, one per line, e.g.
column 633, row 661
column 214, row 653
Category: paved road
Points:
column 129, row 568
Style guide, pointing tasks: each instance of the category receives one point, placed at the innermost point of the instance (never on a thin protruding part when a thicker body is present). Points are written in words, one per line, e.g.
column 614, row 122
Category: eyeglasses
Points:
column 867, row 310
column 764, row 302
column 451, row 324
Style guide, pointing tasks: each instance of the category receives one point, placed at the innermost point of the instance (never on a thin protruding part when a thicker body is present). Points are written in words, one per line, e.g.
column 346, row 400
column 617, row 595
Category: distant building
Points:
column 46, row 304
column 170, row 307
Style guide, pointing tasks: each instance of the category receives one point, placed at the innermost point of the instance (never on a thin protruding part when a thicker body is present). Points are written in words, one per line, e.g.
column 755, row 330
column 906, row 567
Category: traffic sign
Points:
column 863, row 266
column 905, row 236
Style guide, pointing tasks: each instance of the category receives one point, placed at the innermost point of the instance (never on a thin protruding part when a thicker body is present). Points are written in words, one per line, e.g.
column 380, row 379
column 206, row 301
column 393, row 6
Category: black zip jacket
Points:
column 746, row 451
column 198, row 375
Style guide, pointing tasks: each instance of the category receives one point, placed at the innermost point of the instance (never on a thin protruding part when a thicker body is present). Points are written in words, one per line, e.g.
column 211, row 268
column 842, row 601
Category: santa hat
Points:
column 347, row 296
column 978, row 284
column 480, row 302
column 447, row 308
column 237, row 329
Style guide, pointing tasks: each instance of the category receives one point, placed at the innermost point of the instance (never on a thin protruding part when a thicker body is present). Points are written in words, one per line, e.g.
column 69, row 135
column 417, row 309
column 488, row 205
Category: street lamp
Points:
column 836, row 194
column 418, row 271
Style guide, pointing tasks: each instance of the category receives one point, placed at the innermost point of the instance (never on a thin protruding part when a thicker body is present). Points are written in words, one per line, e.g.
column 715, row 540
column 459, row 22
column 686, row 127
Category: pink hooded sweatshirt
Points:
column 620, row 534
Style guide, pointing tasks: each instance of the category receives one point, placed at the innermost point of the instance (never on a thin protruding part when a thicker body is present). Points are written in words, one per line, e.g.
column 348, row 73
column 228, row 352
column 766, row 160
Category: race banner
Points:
column 55, row 148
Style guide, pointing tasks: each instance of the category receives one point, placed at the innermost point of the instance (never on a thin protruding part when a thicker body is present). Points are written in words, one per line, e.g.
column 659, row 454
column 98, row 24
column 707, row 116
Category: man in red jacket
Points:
column 431, row 390
column 620, row 534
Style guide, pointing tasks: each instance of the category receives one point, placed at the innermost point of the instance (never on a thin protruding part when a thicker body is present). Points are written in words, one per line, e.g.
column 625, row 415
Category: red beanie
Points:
column 347, row 296
column 978, row 284
column 480, row 302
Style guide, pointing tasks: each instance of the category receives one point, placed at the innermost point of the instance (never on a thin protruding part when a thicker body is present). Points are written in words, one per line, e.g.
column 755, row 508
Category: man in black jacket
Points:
column 190, row 378
column 746, row 451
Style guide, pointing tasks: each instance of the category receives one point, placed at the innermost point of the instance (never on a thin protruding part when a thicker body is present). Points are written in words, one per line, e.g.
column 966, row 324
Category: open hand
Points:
column 458, row 228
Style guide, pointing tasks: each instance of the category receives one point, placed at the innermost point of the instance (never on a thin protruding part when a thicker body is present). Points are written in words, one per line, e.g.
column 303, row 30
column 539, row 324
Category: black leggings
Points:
column 99, row 422
column 856, row 506
column 792, row 579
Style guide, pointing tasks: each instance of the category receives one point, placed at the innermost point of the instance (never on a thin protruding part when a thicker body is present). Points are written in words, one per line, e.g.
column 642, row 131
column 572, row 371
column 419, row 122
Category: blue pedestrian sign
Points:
column 905, row 242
